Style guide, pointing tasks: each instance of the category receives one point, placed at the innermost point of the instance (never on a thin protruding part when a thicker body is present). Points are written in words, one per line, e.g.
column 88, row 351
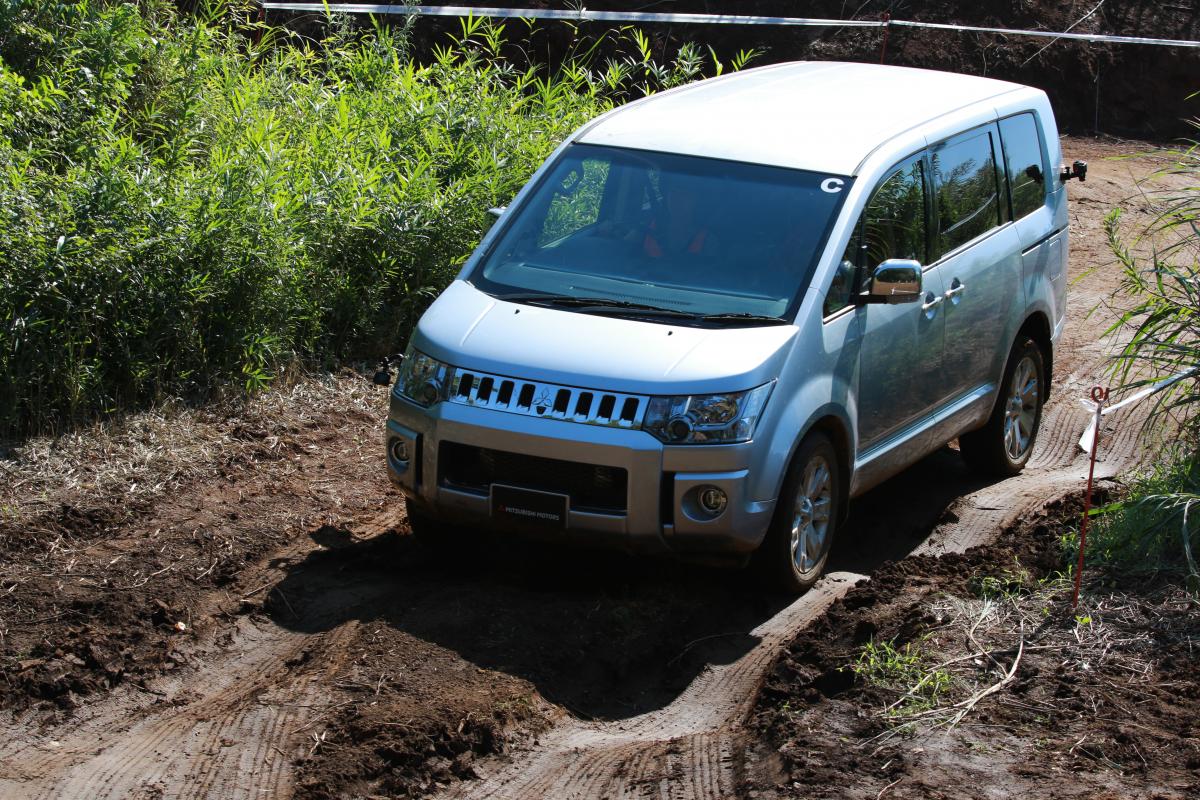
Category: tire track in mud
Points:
column 218, row 732
column 683, row 750
column 1058, row 467
column 691, row 749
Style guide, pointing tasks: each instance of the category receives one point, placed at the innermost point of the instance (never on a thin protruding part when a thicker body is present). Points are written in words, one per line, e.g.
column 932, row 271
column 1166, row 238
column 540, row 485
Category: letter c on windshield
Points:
column 832, row 185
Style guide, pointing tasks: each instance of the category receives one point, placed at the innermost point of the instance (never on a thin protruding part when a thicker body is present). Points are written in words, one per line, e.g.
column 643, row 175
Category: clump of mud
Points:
column 1102, row 699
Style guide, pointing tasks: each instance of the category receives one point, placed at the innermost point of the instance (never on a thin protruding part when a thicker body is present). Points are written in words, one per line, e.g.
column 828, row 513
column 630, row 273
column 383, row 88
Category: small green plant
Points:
column 1155, row 527
column 1007, row 585
column 881, row 664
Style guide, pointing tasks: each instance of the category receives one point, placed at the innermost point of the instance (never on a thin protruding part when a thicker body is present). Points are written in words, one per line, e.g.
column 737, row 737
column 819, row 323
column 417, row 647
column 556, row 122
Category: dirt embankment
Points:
column 228, row 604
column 1103, row 700
column 1121, row 89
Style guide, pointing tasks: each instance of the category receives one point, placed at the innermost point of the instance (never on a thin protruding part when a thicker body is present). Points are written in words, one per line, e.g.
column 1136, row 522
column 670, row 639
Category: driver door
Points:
column 900, row 355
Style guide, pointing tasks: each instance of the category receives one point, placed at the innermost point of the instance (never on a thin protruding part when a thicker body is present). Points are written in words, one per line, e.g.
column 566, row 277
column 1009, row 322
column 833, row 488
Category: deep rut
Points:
column 219, row 732
column 687, row 749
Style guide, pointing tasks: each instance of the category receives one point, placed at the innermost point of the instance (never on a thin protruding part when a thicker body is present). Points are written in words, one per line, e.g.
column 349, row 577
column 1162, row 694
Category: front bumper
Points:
column 660, row 512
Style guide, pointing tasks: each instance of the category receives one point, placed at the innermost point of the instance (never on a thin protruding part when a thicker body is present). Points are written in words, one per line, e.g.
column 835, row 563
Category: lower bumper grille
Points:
column 590, row 487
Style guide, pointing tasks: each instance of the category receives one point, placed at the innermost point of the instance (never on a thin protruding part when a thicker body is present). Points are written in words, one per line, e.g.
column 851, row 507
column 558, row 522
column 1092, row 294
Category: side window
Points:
column 968, row 197
column 1024, row 162
column 891, row 226
column 576, row 202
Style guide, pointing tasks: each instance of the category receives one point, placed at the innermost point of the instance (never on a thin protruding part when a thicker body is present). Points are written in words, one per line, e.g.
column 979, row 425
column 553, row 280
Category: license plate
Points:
column 541, row 509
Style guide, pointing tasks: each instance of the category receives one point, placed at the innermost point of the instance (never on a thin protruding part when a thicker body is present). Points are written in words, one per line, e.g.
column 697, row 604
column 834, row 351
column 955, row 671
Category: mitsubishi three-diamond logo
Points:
column 542, row 402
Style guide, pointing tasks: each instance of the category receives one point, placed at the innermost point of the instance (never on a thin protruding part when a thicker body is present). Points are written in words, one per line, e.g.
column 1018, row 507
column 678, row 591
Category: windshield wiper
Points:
column 606, row 305
column 601, row 303
column 741, row 317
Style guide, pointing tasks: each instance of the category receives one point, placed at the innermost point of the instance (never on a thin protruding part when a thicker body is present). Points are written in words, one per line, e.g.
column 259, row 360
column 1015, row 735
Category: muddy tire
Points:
column 796, row 548
column 1003, row 445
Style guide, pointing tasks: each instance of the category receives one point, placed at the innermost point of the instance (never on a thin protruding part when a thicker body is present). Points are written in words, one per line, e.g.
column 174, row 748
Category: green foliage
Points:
column 1155, row 527
column 1164, row 322
column 903, row 670
column 189, row 202
column 1008, row 584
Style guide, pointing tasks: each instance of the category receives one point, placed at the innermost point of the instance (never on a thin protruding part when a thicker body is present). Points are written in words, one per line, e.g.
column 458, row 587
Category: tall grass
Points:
column 186, row 203
column 1157, row 527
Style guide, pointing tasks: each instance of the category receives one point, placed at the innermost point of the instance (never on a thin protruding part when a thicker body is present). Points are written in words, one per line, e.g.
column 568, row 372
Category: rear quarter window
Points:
column 1025, row 163
column 967, row 189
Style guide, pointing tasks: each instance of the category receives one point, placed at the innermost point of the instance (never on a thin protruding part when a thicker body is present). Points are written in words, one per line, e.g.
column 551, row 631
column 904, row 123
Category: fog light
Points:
column 713, row 500
column 400, row 451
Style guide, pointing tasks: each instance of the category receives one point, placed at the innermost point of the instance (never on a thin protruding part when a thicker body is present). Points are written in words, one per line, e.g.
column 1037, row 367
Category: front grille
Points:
column 548, row 400
column 591, row 487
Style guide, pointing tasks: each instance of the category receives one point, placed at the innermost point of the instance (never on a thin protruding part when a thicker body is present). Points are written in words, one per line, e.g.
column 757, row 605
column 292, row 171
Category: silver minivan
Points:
column 716, row 315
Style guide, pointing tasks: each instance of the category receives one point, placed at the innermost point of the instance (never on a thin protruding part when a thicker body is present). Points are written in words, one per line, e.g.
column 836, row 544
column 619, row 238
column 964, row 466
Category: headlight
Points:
column 423, row 379
column 707, row 418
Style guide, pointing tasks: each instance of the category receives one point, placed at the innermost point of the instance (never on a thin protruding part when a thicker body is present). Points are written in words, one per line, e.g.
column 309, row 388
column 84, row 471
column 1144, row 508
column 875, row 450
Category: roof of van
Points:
column 820, row 116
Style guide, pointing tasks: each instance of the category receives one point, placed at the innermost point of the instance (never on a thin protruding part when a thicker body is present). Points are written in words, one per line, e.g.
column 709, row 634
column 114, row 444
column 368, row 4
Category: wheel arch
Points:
column 837, row 431
column 1037, row 327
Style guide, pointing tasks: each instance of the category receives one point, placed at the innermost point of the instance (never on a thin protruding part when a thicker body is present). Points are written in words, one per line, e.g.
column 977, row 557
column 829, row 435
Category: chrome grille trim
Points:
column 568, row 403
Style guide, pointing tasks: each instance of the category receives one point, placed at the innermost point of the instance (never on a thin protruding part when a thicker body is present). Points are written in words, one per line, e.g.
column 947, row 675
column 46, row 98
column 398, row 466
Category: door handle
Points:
column 931, row 304
column 957, row 289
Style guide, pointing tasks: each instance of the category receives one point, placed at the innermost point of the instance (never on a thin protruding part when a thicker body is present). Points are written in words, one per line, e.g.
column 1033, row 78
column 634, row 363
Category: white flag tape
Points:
column 1088, row 440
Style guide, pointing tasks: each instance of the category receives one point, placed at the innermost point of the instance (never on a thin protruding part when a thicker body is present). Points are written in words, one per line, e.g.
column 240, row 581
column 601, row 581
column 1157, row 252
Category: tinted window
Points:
column 1025, row 164
column 892, row 226
column 670, row 231
column 964, row 173
column 576, row 201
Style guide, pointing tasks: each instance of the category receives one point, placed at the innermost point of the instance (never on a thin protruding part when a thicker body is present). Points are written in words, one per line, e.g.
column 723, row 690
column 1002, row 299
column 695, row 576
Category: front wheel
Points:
column 1003, row 445
column 797, row 545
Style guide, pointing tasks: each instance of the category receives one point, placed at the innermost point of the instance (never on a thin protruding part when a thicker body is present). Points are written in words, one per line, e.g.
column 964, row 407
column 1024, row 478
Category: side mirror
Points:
column 897, row 280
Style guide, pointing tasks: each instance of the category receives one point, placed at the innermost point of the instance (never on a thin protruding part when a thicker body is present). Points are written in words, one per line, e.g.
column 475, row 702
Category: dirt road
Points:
column 259, row 623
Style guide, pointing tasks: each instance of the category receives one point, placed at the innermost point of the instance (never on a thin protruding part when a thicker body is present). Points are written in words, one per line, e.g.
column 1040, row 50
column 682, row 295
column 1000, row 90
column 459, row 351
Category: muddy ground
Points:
column 1103, row 702
column 226, row 603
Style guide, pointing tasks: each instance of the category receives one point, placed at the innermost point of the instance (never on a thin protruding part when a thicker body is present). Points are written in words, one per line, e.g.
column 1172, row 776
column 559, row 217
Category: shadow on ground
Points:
column 602, row 634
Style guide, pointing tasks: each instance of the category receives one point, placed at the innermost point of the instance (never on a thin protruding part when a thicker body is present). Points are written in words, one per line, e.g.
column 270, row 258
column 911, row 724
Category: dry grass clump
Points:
column 1000, row 644
column 133, row 460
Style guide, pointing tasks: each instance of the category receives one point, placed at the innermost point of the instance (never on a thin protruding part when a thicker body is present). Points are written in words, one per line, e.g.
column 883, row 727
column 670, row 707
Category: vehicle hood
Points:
column 468, row 328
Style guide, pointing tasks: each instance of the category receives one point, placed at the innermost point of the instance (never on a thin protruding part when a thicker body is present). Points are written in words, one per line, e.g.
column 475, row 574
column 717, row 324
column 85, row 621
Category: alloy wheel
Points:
column 811, row 517
column 1021, row 410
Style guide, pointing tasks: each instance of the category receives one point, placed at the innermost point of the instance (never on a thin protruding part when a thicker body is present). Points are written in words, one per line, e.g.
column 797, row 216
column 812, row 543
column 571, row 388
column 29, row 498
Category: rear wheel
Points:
column 797, row 545
column 1003, row 445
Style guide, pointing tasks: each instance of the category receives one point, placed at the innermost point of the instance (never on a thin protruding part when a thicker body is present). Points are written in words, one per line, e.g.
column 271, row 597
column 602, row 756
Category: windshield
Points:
column 659, row 231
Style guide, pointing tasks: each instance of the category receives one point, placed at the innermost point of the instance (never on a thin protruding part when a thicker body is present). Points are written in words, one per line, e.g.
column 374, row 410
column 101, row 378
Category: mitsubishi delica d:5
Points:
column 716, row 315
